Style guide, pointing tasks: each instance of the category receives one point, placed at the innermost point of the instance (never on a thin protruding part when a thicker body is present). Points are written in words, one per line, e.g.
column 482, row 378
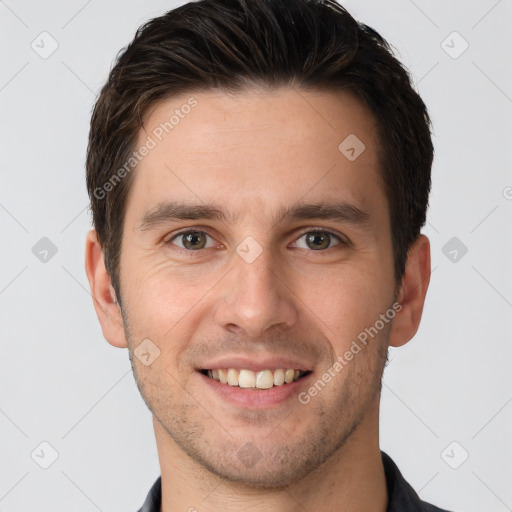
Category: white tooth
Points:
column 295, row 375
column 223, row 376
column 209, row 373
column 246, row 379
column 215, row 374
column 278, row 377
column 232, row 377
column 288, row 376
column 264, row 379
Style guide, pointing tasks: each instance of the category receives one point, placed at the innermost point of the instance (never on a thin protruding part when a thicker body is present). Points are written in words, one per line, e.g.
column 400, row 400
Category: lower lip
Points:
column 256, row 398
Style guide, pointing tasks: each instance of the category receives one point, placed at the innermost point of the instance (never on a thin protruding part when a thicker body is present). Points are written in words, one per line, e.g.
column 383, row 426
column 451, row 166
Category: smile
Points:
column 264, row 379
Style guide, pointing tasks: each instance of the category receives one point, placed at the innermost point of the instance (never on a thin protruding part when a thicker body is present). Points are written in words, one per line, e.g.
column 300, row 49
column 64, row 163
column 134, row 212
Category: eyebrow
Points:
column 341, row 212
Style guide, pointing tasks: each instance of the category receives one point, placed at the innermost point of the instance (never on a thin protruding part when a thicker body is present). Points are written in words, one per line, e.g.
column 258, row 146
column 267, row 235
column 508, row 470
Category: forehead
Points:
column 258, row 150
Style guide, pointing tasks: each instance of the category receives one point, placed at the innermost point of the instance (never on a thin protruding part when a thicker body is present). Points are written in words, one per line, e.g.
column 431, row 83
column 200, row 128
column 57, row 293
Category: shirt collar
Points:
column 402, row 497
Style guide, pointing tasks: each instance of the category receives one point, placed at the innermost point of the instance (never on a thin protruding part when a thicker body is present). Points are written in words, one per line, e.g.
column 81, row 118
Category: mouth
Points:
column 255, row 380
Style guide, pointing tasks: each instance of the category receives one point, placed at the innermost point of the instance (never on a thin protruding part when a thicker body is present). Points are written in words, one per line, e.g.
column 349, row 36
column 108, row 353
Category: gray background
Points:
column 446, row 395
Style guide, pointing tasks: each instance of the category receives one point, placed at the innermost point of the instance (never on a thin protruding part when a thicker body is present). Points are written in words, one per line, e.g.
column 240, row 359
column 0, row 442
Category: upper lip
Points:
column 255, row 364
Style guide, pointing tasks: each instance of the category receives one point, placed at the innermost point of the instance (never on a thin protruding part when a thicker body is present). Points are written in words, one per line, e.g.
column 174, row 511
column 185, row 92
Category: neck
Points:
column 352, row 479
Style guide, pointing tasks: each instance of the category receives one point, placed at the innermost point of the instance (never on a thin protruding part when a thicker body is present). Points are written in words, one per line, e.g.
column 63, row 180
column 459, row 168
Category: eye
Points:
column 319, row 239
column 315, row 239
column 192, row 240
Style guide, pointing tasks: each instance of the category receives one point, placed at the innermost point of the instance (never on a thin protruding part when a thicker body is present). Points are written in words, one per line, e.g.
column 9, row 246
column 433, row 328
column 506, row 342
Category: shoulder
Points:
column 154, row 498
column 402, row 497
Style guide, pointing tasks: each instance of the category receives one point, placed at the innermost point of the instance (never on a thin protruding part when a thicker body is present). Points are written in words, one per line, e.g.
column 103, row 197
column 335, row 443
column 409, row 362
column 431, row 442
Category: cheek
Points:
column 161, row 302
column 346, row 302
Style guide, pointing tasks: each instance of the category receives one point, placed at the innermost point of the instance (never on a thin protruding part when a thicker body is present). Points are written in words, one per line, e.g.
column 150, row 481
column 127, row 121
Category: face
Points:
column 253, row 244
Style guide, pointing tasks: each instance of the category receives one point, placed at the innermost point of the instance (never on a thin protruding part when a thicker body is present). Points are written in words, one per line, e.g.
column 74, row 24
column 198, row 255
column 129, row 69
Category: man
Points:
column 259, row 173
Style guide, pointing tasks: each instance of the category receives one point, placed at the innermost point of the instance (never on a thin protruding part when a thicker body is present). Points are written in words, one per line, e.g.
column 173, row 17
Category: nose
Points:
column 255, row 297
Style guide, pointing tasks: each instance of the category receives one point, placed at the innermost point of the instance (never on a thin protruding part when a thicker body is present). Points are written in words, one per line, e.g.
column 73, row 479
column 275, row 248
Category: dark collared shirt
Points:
column 402, row 497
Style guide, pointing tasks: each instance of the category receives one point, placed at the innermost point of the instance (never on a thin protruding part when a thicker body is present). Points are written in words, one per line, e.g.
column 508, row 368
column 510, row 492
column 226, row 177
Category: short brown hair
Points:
column 231, row 44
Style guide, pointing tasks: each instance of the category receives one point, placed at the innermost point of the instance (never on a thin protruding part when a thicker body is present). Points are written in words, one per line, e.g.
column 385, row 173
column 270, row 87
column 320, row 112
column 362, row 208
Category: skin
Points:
column 253, row 153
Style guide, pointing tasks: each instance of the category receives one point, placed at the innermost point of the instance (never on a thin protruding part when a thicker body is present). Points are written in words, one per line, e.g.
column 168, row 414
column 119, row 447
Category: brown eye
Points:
column 319, row 240
column 191, row 240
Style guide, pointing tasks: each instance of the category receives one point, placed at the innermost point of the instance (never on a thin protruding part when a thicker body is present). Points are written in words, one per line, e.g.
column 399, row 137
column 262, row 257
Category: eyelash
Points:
column 342, row 242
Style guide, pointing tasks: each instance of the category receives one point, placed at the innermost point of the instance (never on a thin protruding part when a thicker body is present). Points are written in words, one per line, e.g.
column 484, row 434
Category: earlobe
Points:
column 103, row 294
column 412, row 292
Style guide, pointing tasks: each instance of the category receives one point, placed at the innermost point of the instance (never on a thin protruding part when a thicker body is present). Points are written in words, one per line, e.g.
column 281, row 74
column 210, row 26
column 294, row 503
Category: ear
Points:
column 412, row 291
column 103, row 294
